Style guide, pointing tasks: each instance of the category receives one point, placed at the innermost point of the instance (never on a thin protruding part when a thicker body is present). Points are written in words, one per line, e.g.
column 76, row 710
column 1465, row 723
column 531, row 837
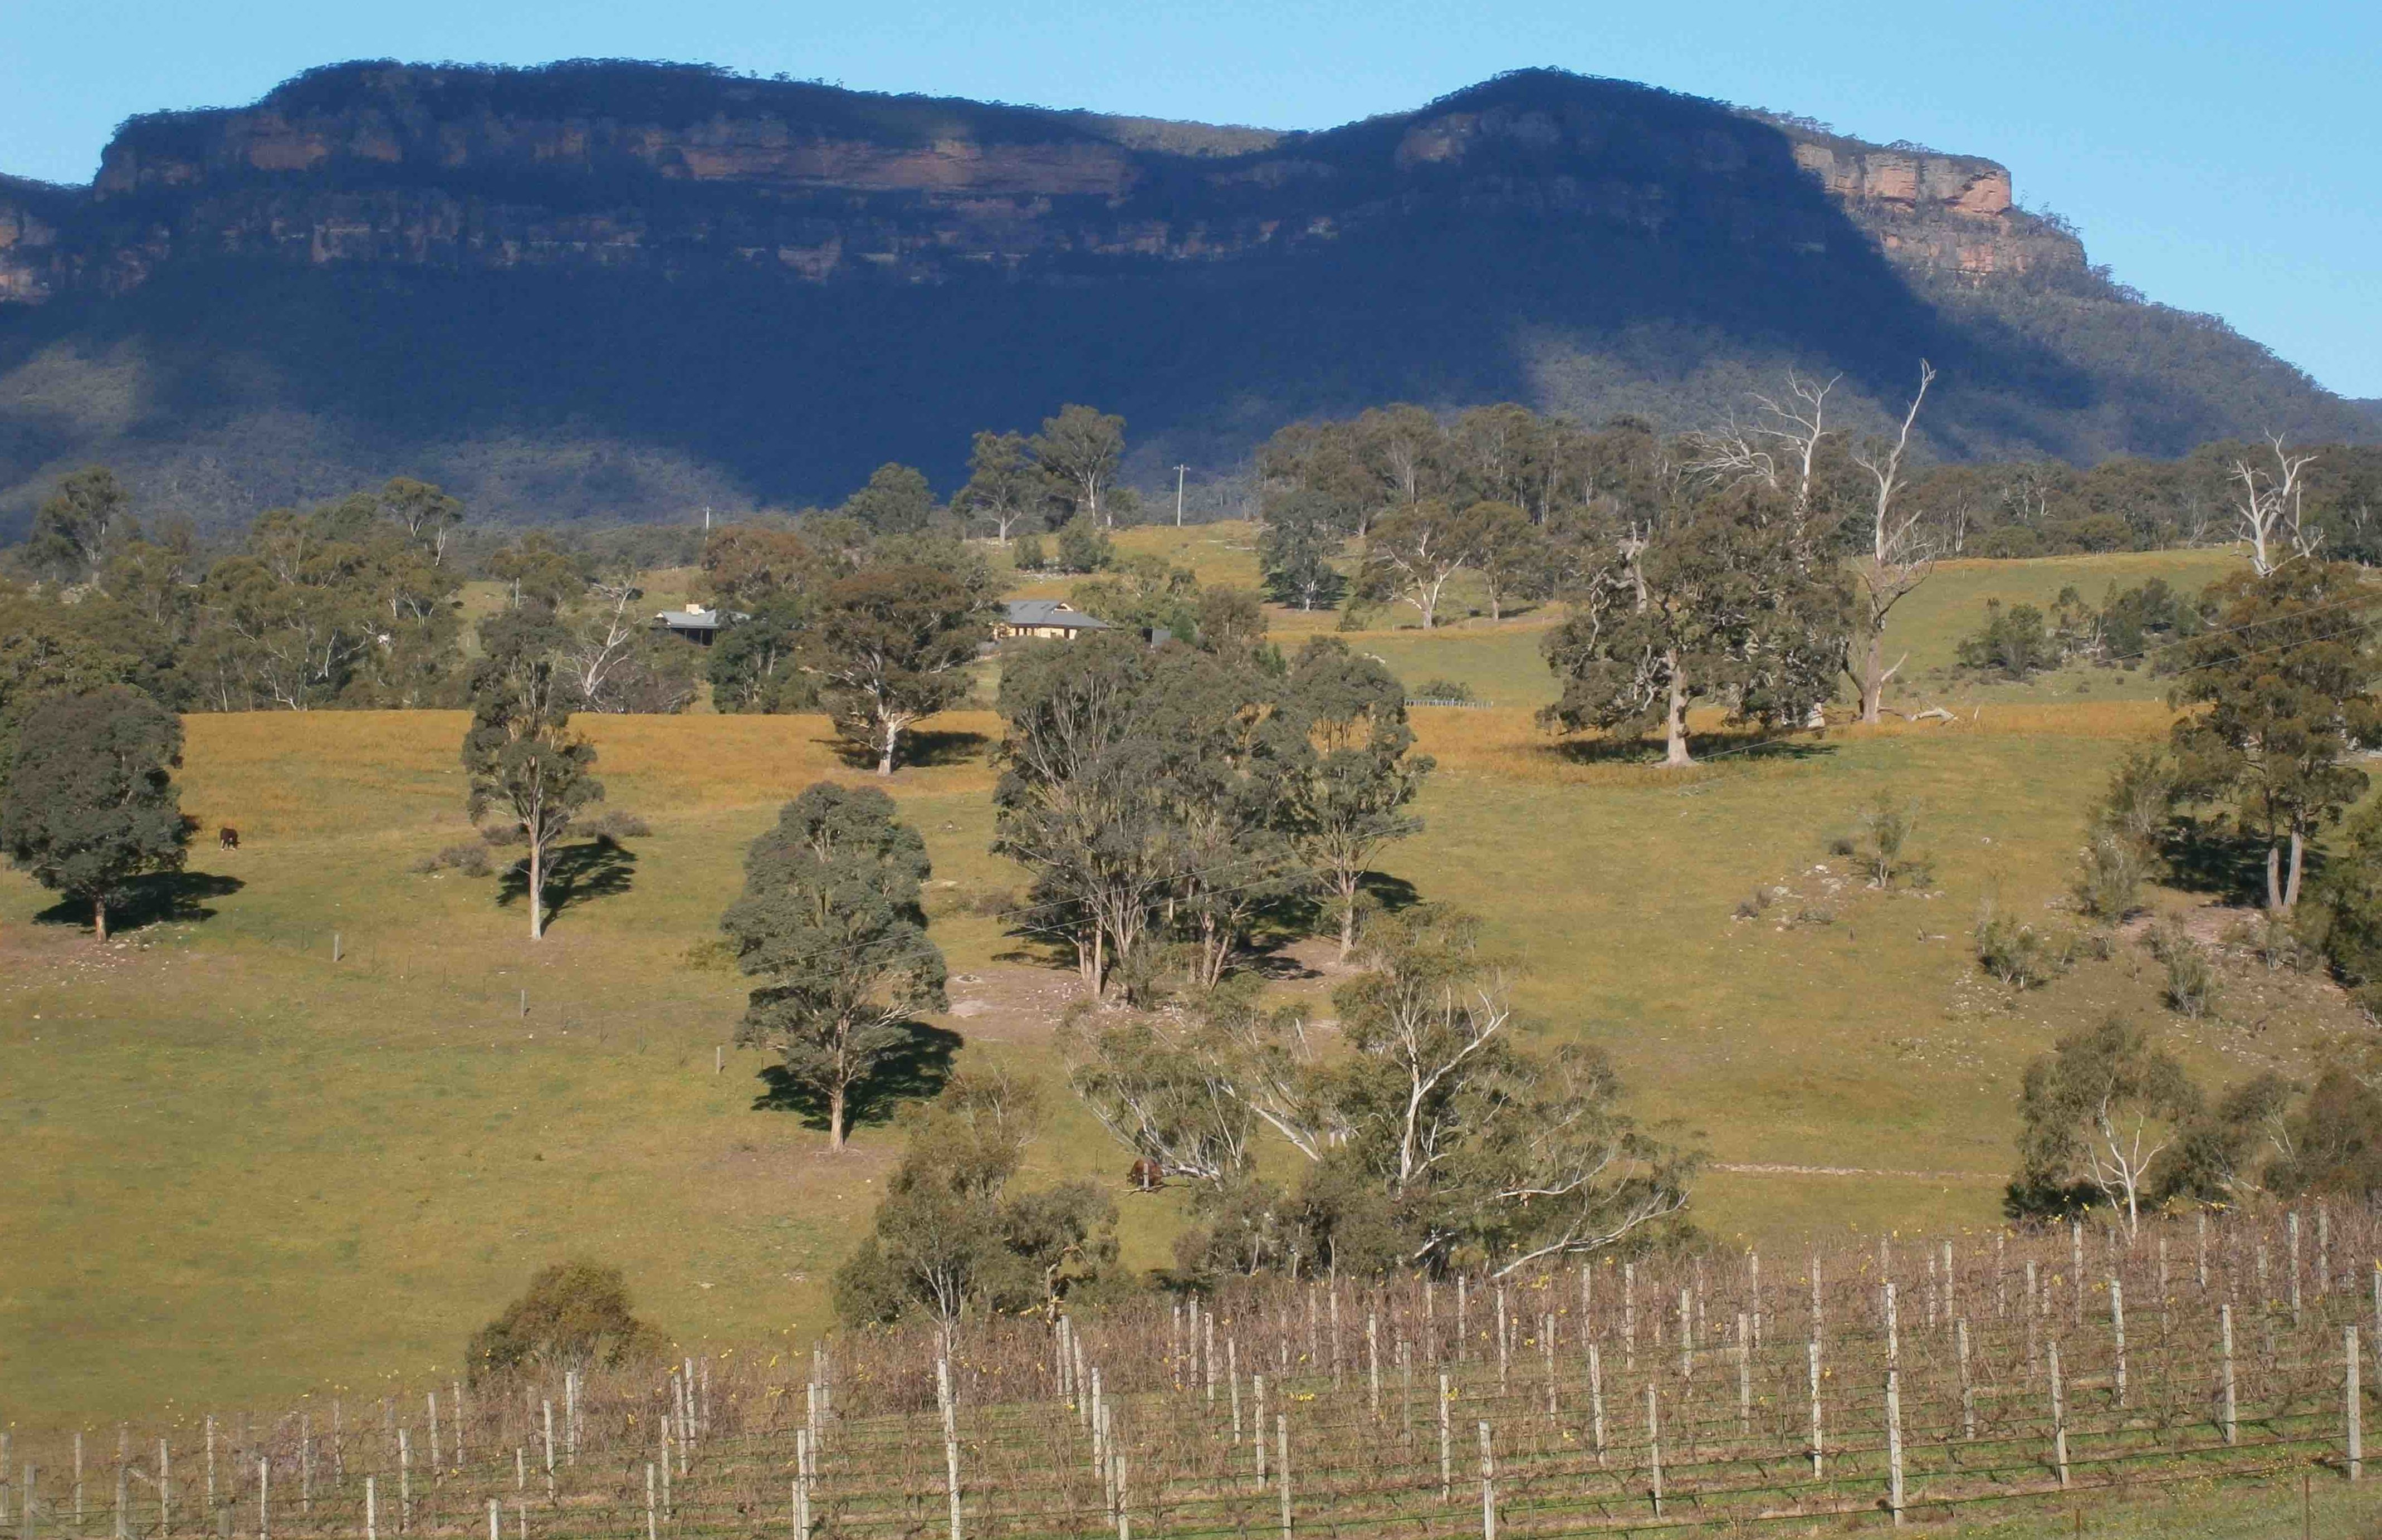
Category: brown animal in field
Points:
column 227, row 838
column 1147, row 1176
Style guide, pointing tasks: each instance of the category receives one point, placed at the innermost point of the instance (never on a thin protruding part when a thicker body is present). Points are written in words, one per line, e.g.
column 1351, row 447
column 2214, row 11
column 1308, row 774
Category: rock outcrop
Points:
column 674, row 169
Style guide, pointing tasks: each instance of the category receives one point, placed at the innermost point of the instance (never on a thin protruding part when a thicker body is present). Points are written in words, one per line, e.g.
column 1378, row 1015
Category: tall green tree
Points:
column 91, row 802
column 523, row 758
column 1347, row 789
column 1297, row 548
column 1005, row 490
column 1413, row 554
column 891, row 645
column 829, row 922
column 77, row 525
column 896, row 500
column 2283, row 684
column 1714, row 601
column 1079, row 452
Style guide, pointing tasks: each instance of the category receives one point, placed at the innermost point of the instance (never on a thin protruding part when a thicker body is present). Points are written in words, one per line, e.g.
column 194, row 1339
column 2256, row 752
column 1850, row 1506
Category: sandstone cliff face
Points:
column 678, row 171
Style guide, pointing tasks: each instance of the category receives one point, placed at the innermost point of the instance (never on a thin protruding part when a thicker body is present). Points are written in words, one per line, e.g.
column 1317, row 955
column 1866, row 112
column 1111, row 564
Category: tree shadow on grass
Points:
column 915, row 1072
column 922, row 748
column 1706, row 747
column 160, row 895
column 2213, row 856
column 596, row 869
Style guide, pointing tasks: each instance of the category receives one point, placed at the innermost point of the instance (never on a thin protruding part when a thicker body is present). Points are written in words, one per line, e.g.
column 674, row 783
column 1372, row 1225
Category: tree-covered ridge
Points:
column 626, row 291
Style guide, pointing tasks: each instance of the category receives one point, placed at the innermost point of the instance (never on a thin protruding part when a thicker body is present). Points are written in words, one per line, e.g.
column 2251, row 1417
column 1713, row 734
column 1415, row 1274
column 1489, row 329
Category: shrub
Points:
column 472, row 860
column 2110, row 874
column 2013, row 643
column 1084, row 546
column 1444, row 689
column 614, row 826
column 574, row 1315
column 502, row 835
column 1881, row 846
column 2191, row 978
column 1028, row 555
column 2021, row 954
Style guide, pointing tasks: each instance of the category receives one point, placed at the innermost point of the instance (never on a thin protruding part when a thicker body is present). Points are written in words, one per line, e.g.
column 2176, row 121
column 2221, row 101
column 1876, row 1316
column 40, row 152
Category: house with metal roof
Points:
column 1044, row 617
column 695, row 623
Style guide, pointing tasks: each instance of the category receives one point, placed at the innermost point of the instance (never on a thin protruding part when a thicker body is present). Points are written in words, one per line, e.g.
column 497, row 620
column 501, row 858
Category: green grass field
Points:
column 236, row 1168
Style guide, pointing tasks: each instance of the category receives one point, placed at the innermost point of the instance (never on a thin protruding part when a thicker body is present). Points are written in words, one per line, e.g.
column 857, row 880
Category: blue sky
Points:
column 2219, row 157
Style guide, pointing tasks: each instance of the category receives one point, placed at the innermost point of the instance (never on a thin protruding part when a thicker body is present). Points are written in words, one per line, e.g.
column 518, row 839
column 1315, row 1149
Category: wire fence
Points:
column 1907, row 1380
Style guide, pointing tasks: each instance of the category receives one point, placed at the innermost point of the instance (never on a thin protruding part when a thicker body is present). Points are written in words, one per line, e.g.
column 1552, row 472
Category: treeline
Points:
column 1348, row 475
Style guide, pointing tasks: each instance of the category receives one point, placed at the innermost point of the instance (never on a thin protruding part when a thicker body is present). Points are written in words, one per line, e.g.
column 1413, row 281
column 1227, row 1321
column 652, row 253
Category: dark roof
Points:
column 1050, row 612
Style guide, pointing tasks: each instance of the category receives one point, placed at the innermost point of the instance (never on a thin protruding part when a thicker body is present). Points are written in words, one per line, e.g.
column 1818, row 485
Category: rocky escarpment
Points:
column 672, row 169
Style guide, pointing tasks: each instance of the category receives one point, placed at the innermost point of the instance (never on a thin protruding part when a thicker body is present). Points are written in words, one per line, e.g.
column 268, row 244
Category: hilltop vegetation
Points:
column 685, row 307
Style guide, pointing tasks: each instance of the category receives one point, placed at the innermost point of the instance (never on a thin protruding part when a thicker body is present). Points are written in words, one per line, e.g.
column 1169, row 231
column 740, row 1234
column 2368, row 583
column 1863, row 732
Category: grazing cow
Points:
column 1147, row 1176
column 227, row 838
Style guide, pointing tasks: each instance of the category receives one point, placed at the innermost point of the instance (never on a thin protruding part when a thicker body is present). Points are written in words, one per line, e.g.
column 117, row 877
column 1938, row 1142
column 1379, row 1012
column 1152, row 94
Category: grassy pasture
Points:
column 236, row 1169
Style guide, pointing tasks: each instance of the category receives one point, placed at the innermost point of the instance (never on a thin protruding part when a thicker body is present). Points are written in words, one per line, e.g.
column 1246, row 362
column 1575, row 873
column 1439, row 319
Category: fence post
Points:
column 1654, row 1446
column 1744, row 1377
column 2059, row 1420
column 2225, row 1322
column 372, row 1511
column 1894, row 1444
column 496, row 1520
column 1968, row 1389
column 1811, row 1358
column 1596, row 1398
column 1256, row 1384
column 1487, row 1487
column 264, row 1499
column 1446, row 1466
column 1281, row 1458
column 653, row 1526
column 2355, row 1407
column 2117, row 1330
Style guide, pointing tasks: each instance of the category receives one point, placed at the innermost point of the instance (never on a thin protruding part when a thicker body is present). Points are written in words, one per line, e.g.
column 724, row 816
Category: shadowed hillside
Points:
column 625, row 291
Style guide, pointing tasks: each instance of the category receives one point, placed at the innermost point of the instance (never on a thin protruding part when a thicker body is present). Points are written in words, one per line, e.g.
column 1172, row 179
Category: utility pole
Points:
column 1178, row 495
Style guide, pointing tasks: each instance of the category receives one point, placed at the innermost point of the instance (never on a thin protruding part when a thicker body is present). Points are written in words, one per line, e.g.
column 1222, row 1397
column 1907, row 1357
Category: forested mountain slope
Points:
column 620, row 290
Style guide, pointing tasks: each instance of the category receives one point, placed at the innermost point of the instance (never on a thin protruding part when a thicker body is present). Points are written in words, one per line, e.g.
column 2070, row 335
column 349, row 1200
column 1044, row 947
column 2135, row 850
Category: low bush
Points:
column 2022, row 955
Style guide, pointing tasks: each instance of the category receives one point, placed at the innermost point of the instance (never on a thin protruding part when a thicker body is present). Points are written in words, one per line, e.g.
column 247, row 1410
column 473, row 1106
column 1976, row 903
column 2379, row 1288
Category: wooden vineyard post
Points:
column 2291, row 1221
column 1744, row 1377
column 1547, row 1351
column 1596, row 1399
column 2355, row 1407
column 1232, row 1365
column 1372, row 1361
column 164, row 1487
column 1811, row 1357
column 2059, row 1420
column 1629, row 1316
column 546, row 1408
column 1894, row 1444
column 801, row 1484
column 652, row 1525
column 1257, row 1387
column 1503, row 1342
column 1489, row 1487
column 1654, row 1446
column 1968, row 1386
column 372, row 1511
column 404, row 1481
column 264, row 1499
column 1446, row 1451
column 496, row 1520
column 951, row 1443
column 1754, row 1283
column 2225, row 1326
column 2118, row 1331
column 2076, row 1268
column 1281, row 1458
column 2201, row 1266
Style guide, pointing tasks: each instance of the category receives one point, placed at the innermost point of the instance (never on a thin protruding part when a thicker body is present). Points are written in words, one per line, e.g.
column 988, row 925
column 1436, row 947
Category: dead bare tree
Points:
column 2268, row 516
column 1781, row 444
column 1901, row 554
